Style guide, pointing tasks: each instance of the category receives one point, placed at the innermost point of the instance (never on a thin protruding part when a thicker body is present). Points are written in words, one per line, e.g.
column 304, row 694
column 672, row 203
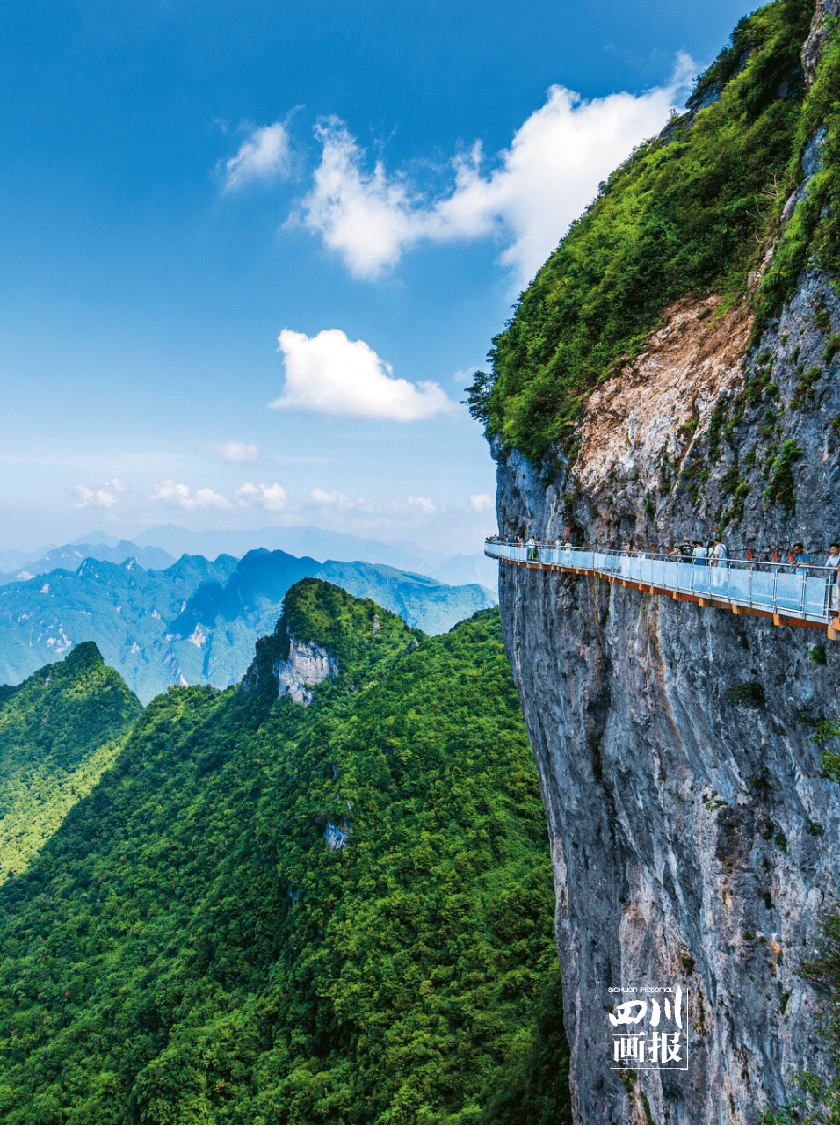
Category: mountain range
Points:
column 160, row 547
column 196, row 621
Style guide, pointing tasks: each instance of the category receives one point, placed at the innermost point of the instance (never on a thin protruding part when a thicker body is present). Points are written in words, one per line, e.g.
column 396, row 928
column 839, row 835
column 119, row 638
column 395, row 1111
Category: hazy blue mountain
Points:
column 72, row 555
column 14, row 560
column 476, row 568
column 301, row 540
column 423, row 602
column 97, row 537
column 122, row 607
column 195, row 622
column 320, row 544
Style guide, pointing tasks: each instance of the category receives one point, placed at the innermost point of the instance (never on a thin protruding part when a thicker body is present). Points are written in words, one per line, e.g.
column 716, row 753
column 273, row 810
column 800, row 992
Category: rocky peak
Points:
column 812, row 48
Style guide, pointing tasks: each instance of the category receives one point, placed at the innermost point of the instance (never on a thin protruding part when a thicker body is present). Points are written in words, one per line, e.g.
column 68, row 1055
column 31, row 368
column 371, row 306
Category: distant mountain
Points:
column 71, row 556
column 475, row 568
column 302, row 540
column 97, row 537
column 423, row 602
column 120, row 606
column 14, row 560
column 195, row 622
column 321, row 544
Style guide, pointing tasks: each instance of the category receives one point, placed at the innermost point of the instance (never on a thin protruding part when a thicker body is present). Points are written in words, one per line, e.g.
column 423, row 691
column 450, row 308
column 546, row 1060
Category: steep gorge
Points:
column 694, row 833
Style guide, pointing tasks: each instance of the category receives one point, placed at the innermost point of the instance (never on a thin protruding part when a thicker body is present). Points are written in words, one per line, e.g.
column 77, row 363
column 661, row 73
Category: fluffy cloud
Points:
column 103, row 496
column 480, row 502
column 263, row 156
column 335, row 500
column 538, row 186
column 237, row 452
column 331, row 500
column 423, row 504
column 270, row 497
column 329, row 374
column 173, row 493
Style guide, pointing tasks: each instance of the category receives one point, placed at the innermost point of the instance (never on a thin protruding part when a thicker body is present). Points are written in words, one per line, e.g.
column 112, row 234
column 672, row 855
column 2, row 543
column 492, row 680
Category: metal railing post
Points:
column 775, row 585
column 802, row 594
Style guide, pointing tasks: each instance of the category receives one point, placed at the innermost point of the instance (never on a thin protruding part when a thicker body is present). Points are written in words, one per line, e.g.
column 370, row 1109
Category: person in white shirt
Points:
column 833, row 558
column 720, row 554
column 699, row 554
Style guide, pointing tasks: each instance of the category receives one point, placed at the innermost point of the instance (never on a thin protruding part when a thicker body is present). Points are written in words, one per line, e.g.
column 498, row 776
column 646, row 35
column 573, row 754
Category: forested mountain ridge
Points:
column 59, row 731
column 72, row 555
column 195, row 622
column 267, row 912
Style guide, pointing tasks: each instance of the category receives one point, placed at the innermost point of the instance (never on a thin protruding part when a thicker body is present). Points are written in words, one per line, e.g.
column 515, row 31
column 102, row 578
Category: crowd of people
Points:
column 712, row 553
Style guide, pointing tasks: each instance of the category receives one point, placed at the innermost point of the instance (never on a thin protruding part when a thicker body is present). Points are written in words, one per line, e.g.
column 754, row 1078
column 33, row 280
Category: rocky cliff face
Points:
column 694, row 838
column 306, row 666
column 693, row 835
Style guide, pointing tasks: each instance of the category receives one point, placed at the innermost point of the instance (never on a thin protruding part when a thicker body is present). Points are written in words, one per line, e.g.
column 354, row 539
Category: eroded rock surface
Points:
column 307, row 666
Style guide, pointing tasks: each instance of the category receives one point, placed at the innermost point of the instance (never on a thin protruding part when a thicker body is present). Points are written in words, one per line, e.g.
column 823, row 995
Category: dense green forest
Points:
column 691, row 212
column 59, row 731
column 268, row 913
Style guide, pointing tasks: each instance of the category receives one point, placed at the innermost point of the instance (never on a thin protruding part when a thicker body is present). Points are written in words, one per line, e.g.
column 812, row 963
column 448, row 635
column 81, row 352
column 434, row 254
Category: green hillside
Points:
column 58, row 732
column 271, row 913
column 195, row 622
column 691, row 212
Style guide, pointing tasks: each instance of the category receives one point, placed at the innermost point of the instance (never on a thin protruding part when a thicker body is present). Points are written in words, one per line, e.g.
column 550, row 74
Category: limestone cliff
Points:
column 695, row 839
column 306, row 666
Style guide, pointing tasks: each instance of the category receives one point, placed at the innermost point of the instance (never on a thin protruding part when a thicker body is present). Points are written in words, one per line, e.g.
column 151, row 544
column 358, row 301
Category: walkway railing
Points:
column 807, row 592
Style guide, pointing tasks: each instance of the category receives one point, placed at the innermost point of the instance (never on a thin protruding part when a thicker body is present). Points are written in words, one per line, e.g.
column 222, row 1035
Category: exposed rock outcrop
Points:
column 307, row 666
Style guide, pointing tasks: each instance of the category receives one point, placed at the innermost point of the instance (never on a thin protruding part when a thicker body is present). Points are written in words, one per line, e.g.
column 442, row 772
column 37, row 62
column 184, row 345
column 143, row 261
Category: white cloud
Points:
column 479, row 502
column 539, row 185
column 237, row 452
column 264, row 156
column 181, row 495
column 270, row 497
column 424, row 504
column 103, row 496
column 330, row 500
column 339, row 501
column 329, row 374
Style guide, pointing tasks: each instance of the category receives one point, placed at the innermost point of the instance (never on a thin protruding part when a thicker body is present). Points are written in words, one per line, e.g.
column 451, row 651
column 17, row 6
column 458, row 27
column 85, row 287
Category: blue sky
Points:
column 210, row 208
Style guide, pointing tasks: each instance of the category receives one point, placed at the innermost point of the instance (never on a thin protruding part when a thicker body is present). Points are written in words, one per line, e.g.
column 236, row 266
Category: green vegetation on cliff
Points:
column 691, row 212
column 271, row 913
column 58, row 732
